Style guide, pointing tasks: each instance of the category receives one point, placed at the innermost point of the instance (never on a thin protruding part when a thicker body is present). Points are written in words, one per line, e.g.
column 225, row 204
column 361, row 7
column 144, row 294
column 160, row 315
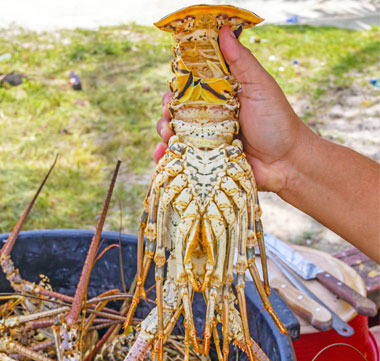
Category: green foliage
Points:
column 124, row 70
column 325, row 55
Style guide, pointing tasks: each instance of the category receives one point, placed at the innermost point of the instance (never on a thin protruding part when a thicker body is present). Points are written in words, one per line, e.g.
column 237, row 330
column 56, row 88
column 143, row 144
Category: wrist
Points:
column 298, row 163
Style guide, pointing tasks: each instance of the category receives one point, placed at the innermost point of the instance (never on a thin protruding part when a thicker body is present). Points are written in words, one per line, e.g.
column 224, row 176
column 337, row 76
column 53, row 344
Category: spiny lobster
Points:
column 202, row 203
column 66, row 336
column 40, row 324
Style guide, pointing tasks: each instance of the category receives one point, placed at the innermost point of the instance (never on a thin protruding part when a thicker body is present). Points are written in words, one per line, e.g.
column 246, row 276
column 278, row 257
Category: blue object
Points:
column 292, row 20
column 75, row 81
column 375, row 83
column 295, row 62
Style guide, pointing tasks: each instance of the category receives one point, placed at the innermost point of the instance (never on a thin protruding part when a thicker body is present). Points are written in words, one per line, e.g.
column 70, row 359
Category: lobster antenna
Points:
column 120, row 249
column 81, row 290
column 8, row 246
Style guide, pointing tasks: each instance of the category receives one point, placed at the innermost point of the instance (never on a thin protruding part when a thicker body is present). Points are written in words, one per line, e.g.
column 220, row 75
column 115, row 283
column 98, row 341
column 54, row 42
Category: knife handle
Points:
column 302, row 305
column 361, row 304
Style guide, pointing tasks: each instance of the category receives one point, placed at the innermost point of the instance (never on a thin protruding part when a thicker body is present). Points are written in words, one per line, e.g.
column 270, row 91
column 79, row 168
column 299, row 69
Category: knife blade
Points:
column 301, row 304
column 308, row 271
column 343, row 328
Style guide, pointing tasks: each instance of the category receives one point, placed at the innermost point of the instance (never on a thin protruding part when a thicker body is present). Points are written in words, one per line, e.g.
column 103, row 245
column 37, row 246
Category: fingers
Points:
column 163, row 128
column 159, row 151
column 165, row 100
column 244, row 66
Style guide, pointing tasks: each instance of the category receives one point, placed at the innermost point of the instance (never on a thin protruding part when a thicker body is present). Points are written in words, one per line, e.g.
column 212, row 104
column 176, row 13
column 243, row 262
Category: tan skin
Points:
column 335, row 185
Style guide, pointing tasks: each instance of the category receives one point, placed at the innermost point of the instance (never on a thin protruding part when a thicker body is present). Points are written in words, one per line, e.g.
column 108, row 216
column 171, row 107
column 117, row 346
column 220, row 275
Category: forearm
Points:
column 338, row 187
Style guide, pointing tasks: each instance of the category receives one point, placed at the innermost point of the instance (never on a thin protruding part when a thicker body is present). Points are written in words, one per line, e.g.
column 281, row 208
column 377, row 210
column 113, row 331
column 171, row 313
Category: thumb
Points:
column 243, row 65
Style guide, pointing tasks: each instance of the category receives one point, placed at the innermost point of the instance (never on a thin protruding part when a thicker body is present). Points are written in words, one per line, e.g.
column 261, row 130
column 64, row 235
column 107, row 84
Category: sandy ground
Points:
column 49, row 15
column 349, row 117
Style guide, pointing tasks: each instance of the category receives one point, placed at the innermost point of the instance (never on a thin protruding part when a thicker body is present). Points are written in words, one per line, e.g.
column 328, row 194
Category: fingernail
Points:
column 232, row 34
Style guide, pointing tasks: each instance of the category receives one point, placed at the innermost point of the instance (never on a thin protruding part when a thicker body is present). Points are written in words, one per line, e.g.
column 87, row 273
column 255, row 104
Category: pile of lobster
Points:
column 40, row 324
column 202, row 207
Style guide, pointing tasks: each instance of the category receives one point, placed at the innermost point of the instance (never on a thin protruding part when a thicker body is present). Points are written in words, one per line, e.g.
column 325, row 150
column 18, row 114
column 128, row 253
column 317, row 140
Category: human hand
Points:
column 272, row 134
column 163, row 128
column 333, row 184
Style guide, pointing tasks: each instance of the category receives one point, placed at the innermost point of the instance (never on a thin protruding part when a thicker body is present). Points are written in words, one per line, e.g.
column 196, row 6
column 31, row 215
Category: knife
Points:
column 301, row 304
column 308, row 270
column 343, row 328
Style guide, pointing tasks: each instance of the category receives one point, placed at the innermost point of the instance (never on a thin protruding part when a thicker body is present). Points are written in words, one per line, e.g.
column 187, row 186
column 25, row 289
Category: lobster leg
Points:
column 98, row 308
column 170, row 326
column 149, row 253
column 208, row 240
column 160, row 261
column 210, row 317
column 174, row 187
column 217, row 341
column 187, row 229
column 260, row 241
column 227, row 291
column 169, row 166
column 19, row 320
column 149, row 327
column 192, row 243
column 140, row 247
column 253, row 269
column 225, row 323
column 187, row 344
column 242, row 172
column 235, row 325
column 219, row 230
column 264, row 297
column 240, row 201
column 260, row 238
column 4, row 357
column 224, row 204
column 158, row 207
column 8, row 345
column 241, row 268
column 251, row 348
column 149, row 228
column 141, row 268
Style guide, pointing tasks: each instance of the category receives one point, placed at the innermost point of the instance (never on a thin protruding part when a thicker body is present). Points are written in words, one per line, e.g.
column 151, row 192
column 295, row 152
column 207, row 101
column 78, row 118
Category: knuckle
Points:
column 159, row 125
column 166, row 98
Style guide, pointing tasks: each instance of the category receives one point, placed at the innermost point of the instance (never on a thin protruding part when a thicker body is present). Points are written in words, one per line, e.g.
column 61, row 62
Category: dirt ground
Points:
column 350, row 117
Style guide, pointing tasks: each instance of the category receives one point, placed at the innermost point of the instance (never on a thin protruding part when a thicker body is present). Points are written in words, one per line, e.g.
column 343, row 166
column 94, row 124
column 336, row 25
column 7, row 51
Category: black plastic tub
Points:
column 59, row 254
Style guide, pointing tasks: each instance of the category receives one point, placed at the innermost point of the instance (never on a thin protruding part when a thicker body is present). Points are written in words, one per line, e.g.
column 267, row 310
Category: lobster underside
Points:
column 202, row 203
